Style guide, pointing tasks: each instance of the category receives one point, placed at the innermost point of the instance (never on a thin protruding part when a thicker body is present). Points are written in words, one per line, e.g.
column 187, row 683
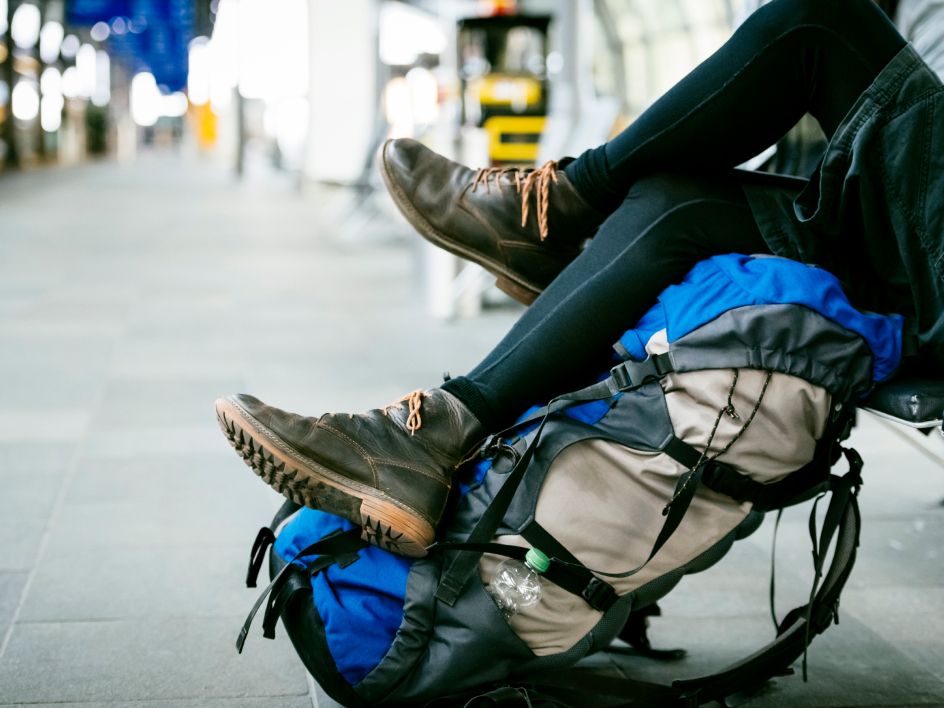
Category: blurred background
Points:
column 189, row 208
column 309, row 89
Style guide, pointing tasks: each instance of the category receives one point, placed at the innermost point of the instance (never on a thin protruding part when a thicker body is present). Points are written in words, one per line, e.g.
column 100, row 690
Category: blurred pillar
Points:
column 239, row 107
column 342, row 91
column 9, row 129
column 40, row 66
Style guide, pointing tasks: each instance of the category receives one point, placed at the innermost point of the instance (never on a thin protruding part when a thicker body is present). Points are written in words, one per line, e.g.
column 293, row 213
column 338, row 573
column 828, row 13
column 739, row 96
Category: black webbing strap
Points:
column 625, row 376
column 340, row 543
column 458, row 572
column 264, row 539
column 802, row 623
column 575, row 579
column 796, row 487
column 279, row 596
column 572, row 575
column 909, row 338
column 631, row 374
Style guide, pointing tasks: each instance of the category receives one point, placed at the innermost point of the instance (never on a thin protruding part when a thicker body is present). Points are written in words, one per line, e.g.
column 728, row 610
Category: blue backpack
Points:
column 728, row 399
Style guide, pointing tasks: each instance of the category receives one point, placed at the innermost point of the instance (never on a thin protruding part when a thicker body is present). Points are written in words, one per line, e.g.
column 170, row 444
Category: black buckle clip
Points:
column 621, row 377
column 599, row 594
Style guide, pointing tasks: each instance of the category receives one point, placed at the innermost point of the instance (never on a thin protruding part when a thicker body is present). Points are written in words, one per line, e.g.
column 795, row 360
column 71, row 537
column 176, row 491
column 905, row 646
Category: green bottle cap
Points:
column 537, row 560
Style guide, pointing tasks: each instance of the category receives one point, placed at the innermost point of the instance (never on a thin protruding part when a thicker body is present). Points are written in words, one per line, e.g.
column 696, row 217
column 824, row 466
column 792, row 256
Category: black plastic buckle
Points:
column 599, row 594
column 494, row 446
column 621, row 377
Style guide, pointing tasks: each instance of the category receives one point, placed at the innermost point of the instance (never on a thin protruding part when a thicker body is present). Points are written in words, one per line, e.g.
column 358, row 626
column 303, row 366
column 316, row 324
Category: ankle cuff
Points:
column 470, row 395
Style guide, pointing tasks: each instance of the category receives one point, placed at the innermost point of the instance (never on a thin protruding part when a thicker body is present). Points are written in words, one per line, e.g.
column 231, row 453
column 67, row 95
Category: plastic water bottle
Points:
column 516, row 585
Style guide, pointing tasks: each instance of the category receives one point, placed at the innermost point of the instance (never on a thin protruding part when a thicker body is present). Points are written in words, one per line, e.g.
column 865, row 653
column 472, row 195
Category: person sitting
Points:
column 656, row 199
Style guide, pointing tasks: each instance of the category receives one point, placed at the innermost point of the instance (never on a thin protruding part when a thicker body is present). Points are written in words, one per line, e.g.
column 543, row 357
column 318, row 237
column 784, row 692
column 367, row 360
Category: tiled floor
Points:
column 132, row 296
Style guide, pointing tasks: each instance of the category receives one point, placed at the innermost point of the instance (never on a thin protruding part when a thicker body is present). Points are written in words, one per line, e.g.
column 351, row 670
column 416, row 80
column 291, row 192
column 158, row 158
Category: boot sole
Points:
column 384, row 522
column 507, row 281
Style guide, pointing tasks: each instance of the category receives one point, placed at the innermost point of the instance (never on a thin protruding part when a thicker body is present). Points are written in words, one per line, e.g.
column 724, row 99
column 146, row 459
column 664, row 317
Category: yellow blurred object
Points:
column 520, row 92
column 499, row 7
column 514, row 138
column 205, row 121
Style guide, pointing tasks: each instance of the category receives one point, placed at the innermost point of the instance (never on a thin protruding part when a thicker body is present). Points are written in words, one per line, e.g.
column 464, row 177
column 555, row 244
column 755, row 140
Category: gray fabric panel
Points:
column 639, row 420
column 470, row 644
column 600, row 637
column 622, row 424
column 790, row 339
column 412, row 635
column 655, row 590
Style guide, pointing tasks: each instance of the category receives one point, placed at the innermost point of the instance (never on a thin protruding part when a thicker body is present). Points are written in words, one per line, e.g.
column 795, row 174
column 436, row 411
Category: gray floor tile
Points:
column 163, row 659
column 131, row 405
column 11, row 589
column 47, row 426
column 848, row 665
column 124, row 582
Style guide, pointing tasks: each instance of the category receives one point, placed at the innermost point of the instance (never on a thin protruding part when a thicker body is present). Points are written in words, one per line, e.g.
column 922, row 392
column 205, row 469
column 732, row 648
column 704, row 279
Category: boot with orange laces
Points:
column 523, row 226
column 388, row 470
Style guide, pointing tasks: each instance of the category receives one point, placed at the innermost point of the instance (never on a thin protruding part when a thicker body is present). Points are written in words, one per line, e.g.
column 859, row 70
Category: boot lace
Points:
column 414, row 400
column 526, row 182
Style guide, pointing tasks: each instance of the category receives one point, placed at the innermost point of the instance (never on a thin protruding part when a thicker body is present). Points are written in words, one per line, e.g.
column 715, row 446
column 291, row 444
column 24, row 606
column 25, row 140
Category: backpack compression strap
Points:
column 801, row 624
column 265, row 538
column 333, row 548
column 582, row 685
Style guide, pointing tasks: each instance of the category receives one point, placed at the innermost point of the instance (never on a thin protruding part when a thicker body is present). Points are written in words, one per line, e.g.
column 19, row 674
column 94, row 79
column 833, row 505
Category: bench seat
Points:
column 912, row 401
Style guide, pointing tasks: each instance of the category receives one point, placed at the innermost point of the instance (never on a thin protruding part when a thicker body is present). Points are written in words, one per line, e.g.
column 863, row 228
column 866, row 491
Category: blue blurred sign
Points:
column 146, row 35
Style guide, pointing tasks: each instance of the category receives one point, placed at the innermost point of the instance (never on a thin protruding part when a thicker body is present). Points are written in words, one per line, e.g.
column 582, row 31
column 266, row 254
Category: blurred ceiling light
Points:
column 198, row 77
column 406, row 32
column 101, row 92
column 70, row 82
column 555, row 62
column 287, row 122
column 50, row 41
column 50, row 83
column 70, row 46
column 224, row 57
column 398, row 107
column 100, row 31
column 4, row 52
column 174, row 105
column 272, row 48
column 119, row 26
column 50, row 114
column 4, row 93
column 51, row 103
column 145, row 99
column 85, row 66
column 24, row 28
column 25, row 100
column 424, row 95
column 3, row 16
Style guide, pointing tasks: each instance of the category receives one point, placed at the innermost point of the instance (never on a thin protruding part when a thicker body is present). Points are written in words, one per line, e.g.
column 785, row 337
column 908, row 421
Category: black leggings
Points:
column 667, row 177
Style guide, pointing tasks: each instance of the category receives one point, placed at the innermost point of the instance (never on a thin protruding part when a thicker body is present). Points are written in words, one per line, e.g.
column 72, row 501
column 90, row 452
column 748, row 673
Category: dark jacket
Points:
column 873, row 211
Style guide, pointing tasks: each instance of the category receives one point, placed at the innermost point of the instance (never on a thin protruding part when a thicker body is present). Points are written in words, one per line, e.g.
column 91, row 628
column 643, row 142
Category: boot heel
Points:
column 395, row 529
column 515, row 291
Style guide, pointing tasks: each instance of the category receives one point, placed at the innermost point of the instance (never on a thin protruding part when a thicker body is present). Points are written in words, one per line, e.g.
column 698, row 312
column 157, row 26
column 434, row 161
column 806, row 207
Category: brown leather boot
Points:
column 389, row 470
column 509, row 221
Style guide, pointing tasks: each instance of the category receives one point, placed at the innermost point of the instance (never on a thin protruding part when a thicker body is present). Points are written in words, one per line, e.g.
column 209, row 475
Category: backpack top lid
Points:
column 722, row 283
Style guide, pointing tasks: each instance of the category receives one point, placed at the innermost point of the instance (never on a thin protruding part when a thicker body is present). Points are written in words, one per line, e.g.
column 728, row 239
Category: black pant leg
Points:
column 788, row 58
column 665, row 225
